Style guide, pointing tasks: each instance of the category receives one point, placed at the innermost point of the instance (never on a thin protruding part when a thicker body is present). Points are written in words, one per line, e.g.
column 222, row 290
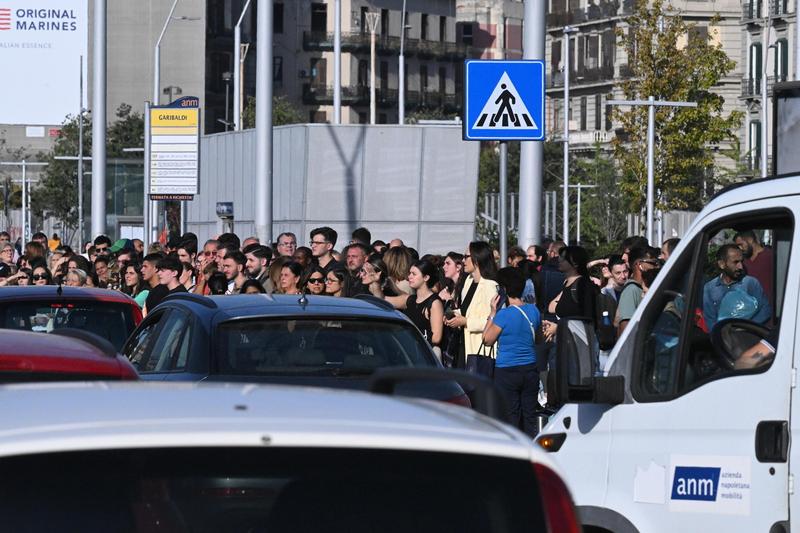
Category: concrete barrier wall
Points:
column 418, row 183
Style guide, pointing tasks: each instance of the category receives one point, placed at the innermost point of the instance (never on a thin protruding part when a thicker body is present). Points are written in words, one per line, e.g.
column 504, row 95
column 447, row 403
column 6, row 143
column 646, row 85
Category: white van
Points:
column 683, row 433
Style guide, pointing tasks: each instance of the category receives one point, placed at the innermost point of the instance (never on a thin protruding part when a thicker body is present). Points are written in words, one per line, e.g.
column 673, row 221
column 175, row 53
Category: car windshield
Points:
column 271, row 490
column 110, row 320
column 318, row 347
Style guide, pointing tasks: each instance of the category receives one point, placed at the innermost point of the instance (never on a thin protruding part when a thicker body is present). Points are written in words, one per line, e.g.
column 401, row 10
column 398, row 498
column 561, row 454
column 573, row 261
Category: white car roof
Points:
column 55, row 417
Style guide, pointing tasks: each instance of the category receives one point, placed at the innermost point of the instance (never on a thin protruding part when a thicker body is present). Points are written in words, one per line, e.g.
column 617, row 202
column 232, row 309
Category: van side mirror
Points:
column 576, row 376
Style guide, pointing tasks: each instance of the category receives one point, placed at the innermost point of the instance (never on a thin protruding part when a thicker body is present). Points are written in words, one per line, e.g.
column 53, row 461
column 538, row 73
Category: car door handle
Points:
column 772, row 441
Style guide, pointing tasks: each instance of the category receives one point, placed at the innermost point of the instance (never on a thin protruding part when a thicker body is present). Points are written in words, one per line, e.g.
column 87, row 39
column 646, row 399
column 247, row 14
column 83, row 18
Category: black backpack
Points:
column 605, row 311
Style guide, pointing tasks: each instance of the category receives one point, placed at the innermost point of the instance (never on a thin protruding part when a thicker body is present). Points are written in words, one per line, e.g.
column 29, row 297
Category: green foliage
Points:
column 283, row 112
column 424, row 113
column 57, row 191
column 685, row 137
column 603, row 210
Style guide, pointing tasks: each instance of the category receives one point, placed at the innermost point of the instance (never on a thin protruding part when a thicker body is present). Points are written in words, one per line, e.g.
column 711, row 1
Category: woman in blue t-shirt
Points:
column 514, row 328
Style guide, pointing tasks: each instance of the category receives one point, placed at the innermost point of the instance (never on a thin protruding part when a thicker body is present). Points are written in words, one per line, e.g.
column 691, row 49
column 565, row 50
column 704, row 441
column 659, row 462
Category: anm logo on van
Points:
column 695, row 483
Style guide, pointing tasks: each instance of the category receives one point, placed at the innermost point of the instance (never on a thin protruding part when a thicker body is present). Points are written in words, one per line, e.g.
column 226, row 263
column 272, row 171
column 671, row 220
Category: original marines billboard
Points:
column 41, row 42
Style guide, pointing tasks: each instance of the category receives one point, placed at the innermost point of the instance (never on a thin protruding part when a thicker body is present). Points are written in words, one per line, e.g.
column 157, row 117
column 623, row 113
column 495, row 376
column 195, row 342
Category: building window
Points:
column 698, row 33
column 319, row 17
column 442, row 28
column 423, row 32
column 277, row 69
column 423, row 78
column 384, row 75
column 584, row 112
column 318, row 117
column 459, row 80
column 384, row 22
column 363, row 72
column 609, row 122
column 755, row 144
column 364, row 11
column 362, row 117
column 598, row 108
column 781, row 66
column 277, row 18
column 466, row 33
column 442, row 80
column 382, row 118
column 755, row 62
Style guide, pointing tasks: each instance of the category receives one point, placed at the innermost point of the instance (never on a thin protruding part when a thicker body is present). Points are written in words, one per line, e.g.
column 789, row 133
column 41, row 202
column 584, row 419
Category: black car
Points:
column 312, row 341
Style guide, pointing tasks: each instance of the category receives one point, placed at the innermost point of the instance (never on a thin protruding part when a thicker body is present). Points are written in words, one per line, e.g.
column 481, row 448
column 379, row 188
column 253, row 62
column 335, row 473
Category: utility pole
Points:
column 26, row 198
column 401, row 77
column 99, row 121
column 531, row 165
column 337, row 61
column 580, row 186
column 565, row 207
column 503, row 211
column 238, row 67
column 263, row 214
column 372, row 23
column 80, row 162
column 651, row 103
column 764, row 97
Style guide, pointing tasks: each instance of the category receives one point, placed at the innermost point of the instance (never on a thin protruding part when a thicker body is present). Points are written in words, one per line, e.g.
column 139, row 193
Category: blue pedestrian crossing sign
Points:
column 504, row 100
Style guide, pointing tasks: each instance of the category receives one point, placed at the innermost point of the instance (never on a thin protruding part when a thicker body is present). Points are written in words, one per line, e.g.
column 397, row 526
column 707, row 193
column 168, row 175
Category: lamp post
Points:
column 651, row 103
column 99, row 120
column 238, row 66
column 226, row 77
column 401, row 63
column 565, row 207
column 372, row 22
column 157, row 57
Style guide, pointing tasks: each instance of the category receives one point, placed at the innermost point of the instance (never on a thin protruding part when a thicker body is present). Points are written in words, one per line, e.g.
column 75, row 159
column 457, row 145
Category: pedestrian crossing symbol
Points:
column 504, row 108
column 504, row 100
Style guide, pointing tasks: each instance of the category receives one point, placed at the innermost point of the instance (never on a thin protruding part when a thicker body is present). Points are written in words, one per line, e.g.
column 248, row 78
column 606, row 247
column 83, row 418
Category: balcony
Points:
column 751, row 88
column 582, row 76
column 626, row 71
column 750, row 164
column 315, row 94
column 595, row 12
column 386, row 45
column 358, row 95
column 590, row 137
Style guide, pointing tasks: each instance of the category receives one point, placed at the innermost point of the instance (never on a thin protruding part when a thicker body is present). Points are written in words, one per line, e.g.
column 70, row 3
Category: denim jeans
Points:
column 519, row 386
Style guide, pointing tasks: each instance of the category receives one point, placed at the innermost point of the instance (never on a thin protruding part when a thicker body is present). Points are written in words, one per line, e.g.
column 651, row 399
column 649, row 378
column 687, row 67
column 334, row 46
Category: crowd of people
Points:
column 459, row 301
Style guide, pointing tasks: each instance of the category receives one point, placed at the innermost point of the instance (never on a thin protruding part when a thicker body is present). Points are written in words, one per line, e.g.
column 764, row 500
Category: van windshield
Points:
column 318, row 346
column 268, row 490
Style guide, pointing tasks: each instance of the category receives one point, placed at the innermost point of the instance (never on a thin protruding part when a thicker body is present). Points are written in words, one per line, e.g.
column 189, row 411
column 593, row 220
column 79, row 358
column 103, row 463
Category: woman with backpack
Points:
column 514, row 329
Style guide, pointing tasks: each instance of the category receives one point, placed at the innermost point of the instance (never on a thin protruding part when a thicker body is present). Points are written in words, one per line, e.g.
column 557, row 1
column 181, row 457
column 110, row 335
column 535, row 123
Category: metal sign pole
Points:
column 146, row 203
column 502, row 215
column 25, row 209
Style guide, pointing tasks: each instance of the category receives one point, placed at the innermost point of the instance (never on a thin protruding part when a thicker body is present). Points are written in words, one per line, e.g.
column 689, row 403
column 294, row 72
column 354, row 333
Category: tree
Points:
column 57, row 191
column 283, row 112
column 671, row 60
column 603, row 211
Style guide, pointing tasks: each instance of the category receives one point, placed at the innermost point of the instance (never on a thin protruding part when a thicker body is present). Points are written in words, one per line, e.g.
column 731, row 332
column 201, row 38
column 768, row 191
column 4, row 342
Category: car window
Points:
column 166, row 348
column 110, row 320
column 715, row 305
column 138, row 347
column 272, row 490
column 324, row 346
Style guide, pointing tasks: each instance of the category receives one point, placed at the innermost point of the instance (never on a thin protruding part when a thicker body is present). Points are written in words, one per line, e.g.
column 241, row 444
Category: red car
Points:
column 66, row 355
column 108, row 314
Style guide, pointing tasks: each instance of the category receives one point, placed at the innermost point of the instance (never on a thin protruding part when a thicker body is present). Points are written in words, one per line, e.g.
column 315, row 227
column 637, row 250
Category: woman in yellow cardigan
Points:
column 475, row 302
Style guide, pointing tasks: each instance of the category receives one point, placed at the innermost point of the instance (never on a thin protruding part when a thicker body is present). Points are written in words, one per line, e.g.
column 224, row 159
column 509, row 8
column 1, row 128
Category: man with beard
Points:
column 257, row 265
column 355, row 255
column 758, row 259
column 732, row 282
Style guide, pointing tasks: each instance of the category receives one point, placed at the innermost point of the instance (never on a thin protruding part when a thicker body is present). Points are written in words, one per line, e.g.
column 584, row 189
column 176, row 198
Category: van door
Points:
column 683, row 453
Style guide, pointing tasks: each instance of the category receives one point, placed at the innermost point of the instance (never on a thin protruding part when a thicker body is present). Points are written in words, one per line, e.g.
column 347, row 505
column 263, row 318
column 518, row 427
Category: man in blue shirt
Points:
column 733, row 277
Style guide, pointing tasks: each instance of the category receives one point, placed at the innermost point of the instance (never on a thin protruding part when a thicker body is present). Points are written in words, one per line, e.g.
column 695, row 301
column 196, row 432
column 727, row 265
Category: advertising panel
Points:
column 41, row 42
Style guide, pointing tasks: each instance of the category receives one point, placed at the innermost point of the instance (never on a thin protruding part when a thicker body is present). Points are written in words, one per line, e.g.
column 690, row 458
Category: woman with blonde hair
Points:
column 275, row 272
column 398, row 264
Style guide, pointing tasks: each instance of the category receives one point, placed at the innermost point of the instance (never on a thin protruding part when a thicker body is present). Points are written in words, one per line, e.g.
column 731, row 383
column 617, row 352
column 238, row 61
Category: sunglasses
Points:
column 316, row 280
column 38, row 277
column 101, row 249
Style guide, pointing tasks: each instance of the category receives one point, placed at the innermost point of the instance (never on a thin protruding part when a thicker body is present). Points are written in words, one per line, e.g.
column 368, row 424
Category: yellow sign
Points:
column 174, row 117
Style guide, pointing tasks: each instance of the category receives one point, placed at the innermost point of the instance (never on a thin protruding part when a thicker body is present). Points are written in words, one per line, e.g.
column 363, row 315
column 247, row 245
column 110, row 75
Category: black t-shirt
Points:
column 577, row 300
column 333, row 264
column 417, row 312
column 159, row 293
column 353, row 286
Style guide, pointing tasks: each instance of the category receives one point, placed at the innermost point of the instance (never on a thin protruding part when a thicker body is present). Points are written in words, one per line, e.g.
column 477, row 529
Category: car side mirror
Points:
column 576, row 378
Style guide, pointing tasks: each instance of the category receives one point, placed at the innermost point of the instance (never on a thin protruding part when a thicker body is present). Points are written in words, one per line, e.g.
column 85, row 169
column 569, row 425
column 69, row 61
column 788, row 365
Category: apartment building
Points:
column 768, row 34
column 598, row 61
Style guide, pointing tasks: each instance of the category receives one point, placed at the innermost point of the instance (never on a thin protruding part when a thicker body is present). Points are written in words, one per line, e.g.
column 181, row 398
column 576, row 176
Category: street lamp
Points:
column 401, row 62
column 226, row 77
column 372, row 22
column 565, row 231
column 238, row 67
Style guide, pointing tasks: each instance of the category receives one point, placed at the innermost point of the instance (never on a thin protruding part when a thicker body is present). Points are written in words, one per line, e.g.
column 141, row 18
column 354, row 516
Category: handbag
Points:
column 480, row 363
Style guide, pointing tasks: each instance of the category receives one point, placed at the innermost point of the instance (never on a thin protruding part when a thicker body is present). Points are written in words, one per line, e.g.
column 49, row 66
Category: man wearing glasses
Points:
column 287, row 244
column 102, row 246
column 644, row 264
column 322, row 242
